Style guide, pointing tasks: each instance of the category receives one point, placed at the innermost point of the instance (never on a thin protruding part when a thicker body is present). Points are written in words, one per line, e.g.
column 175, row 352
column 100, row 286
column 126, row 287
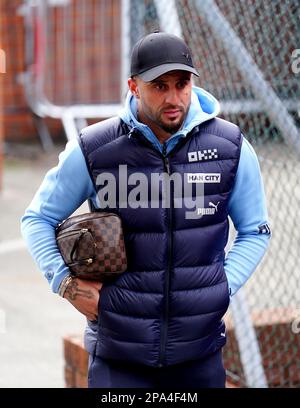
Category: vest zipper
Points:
column 163, row 339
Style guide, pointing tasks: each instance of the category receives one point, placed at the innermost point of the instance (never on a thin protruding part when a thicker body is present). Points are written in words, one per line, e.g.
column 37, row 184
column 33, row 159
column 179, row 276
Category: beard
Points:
column 168, row 126
column 171, row 127
column 158, row 119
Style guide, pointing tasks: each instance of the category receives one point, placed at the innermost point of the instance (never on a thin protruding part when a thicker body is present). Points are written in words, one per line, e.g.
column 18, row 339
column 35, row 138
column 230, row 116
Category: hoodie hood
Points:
column 203, row 107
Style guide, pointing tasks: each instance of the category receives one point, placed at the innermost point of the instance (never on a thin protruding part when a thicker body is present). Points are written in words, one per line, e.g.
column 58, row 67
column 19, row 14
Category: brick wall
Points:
column 279, row 347
column 79, row 70
column 17, row 118
column 76, row 362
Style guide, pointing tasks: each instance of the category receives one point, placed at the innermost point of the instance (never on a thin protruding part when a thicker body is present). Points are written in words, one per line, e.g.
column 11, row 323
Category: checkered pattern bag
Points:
column 92, row 245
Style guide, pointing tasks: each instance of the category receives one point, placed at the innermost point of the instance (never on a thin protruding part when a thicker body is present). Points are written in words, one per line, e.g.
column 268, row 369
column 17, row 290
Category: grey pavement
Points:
column 33, row 320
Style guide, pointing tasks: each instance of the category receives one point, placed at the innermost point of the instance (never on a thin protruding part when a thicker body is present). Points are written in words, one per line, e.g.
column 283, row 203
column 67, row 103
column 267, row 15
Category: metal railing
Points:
column 72, row 64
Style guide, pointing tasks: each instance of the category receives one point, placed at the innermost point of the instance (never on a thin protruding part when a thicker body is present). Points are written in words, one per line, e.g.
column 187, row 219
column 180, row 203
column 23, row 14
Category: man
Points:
column 160, row 322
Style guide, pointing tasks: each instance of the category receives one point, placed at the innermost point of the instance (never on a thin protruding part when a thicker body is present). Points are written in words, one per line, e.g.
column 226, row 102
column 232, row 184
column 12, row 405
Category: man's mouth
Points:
column 172, row 113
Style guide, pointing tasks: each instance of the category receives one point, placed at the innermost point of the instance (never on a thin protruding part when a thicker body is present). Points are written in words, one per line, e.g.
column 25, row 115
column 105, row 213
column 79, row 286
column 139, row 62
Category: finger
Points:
column 91, row 316
column 98, row 285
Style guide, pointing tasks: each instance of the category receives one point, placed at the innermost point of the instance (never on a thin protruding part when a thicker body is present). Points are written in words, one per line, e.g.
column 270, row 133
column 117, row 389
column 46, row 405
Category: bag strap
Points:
column 86, row 261
column 92, row 208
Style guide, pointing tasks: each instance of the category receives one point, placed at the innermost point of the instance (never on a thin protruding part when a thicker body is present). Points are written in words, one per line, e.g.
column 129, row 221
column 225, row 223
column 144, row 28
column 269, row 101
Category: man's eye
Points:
column 160, row 87
column 182, row 84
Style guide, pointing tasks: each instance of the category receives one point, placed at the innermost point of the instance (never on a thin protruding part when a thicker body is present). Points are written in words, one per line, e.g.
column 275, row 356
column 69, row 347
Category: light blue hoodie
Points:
column 68, row 185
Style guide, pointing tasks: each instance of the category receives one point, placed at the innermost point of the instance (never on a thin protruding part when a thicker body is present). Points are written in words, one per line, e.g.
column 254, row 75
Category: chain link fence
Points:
column 248, row 56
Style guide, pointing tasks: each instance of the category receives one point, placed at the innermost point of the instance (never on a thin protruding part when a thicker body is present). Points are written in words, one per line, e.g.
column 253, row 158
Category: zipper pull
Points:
column 131, row 133
column 166, row 160
column 167, row 165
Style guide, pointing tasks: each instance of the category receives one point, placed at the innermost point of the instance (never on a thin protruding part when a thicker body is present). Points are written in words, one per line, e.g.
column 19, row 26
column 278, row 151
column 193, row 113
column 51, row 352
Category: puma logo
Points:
column 187, row 56
column 208, row 211
column 214, row 205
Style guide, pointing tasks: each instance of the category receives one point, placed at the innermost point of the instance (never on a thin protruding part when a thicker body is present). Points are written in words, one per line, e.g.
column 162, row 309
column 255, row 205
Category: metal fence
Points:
column 248, row 54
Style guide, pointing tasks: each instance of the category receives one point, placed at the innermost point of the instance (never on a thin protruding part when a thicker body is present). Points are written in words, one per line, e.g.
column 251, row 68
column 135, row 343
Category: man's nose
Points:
column 172, row 97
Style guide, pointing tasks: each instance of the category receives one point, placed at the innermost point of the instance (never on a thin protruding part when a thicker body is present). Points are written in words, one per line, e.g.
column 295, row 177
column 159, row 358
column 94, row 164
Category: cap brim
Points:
column 155, row 72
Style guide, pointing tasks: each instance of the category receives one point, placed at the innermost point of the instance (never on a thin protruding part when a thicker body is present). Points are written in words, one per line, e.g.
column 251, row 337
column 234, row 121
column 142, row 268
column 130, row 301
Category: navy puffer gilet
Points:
column 167, row 307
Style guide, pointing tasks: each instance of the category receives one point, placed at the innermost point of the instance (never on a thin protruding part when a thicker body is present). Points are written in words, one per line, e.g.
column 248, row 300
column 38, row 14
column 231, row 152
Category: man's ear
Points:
column 133, row 86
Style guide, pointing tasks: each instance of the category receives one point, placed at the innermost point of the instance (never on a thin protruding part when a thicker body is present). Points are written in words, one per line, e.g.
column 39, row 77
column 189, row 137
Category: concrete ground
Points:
column 33, row 320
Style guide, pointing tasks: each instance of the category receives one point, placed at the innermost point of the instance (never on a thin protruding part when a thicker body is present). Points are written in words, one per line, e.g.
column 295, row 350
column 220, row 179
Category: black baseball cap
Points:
column 158, row 53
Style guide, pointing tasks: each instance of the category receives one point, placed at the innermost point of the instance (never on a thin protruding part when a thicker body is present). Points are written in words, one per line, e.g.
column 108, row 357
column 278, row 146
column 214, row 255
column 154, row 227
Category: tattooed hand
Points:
column 84, row 296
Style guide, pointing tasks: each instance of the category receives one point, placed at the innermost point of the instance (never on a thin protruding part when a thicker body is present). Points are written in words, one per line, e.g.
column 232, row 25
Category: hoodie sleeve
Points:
column 247, row 209
column 63, row 190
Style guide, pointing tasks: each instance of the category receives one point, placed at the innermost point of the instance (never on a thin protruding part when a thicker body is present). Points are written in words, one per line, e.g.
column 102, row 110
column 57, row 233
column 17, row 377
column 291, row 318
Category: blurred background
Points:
column 63, row 65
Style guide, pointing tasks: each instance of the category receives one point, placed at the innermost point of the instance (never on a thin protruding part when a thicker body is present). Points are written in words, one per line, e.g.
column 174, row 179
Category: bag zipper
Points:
column 73, row 219
column 73, row 232
column 82, row 262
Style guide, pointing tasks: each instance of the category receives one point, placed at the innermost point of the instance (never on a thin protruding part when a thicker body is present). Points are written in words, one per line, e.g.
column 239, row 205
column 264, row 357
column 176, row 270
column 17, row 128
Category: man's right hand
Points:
column 84, row 296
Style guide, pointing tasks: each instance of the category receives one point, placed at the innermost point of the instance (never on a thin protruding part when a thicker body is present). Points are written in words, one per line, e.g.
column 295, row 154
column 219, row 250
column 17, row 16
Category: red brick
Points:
column 280, row 347
column 75, row 354
column 92, row 88
column 70, row 381
column 80, row 380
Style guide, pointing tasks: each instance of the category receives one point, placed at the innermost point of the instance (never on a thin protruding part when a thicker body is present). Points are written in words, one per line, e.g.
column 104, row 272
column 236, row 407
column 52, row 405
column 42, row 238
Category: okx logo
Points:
column 200, row 155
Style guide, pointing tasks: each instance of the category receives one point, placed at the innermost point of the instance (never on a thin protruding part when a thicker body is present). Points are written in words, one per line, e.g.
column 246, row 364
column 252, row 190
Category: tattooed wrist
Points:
column 73, row 291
